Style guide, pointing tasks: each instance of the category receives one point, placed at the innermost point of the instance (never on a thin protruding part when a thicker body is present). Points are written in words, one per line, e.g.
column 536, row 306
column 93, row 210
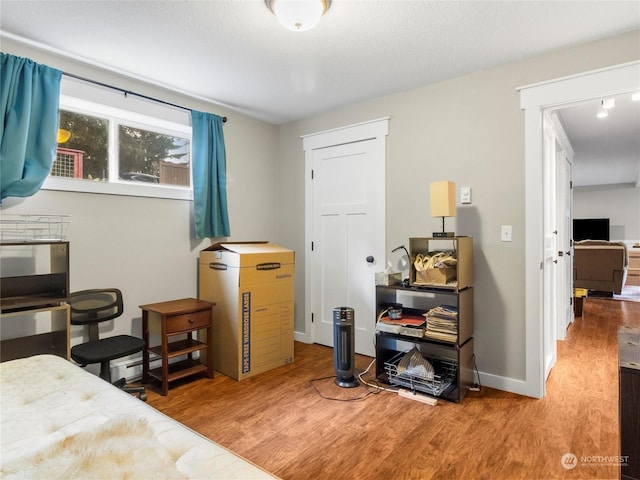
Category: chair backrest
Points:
column 94, row 306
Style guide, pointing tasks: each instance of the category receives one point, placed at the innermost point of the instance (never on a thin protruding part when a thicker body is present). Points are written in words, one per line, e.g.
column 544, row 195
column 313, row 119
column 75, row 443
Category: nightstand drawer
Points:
column 189, row 321
column 634, row 259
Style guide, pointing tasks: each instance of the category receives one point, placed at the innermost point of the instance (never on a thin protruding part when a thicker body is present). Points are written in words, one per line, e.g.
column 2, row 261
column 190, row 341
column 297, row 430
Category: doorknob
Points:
column 370, row 259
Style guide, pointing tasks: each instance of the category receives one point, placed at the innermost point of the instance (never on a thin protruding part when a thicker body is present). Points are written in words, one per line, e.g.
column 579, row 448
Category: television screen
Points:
column 590, row 229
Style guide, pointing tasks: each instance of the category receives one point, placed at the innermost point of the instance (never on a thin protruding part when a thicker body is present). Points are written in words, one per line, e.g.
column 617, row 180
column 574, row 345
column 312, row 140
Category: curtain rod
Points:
column 129, row 92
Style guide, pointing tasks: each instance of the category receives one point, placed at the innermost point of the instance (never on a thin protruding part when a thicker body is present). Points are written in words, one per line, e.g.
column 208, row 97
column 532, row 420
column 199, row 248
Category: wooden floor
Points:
column 279, row 420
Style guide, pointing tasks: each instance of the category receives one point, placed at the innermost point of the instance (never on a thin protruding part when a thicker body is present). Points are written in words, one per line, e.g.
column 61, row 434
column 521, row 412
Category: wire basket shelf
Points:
column 445, row 372
column 34, row 228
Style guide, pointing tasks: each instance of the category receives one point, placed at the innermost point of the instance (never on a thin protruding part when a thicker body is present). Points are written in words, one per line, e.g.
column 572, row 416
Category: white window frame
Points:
column 156, row 118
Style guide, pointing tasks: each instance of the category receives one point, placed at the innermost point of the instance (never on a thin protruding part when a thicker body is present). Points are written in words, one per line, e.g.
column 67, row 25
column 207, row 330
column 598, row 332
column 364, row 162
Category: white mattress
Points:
column 45, row 399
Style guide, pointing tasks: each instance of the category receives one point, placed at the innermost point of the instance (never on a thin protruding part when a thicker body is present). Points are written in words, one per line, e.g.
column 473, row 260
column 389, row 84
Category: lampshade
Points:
column 443, row 199
column 298, row 15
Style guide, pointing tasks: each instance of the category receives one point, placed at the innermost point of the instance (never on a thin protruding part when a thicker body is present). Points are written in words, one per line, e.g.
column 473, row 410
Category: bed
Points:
column 59, row 421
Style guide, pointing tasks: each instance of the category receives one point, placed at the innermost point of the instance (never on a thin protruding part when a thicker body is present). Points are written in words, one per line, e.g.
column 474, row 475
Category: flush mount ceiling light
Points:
column 635, row 96
column 298, row 15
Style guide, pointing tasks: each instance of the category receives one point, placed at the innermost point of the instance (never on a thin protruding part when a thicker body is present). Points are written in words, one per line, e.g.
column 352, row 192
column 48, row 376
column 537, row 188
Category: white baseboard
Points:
column 301, row 337
column 506, row 384
column 130, row 369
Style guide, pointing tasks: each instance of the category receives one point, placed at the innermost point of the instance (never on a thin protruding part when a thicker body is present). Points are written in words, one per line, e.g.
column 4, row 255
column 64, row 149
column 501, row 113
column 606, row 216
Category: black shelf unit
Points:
column 29, row 288
column 452, row 361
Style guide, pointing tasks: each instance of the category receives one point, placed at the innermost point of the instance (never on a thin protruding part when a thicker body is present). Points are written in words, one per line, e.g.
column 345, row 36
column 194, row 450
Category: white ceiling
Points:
column 607, row 150
column 235, row 53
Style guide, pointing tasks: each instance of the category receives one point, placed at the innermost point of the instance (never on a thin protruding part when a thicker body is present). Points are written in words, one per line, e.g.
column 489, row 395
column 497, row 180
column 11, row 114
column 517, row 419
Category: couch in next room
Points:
column 599, row 265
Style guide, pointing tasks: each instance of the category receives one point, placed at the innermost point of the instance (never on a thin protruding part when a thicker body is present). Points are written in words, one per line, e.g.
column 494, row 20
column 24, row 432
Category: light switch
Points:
column 506, row 233
column 465, row 195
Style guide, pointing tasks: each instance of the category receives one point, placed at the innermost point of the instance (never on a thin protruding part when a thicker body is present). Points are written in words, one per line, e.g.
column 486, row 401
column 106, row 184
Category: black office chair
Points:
column 90, row 308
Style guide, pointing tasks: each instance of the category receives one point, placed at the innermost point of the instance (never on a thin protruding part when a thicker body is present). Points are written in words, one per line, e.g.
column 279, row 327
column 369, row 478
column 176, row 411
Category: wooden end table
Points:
column 173, row 318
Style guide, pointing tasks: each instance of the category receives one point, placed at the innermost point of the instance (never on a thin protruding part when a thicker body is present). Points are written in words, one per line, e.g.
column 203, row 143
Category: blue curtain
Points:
column 29, row 99
column 209, row 167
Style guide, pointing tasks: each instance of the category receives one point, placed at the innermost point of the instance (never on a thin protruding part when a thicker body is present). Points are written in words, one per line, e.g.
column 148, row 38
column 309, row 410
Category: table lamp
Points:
column 443, row 203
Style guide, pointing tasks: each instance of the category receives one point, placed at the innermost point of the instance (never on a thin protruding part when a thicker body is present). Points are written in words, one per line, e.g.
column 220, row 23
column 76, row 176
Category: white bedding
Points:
column 45, row 399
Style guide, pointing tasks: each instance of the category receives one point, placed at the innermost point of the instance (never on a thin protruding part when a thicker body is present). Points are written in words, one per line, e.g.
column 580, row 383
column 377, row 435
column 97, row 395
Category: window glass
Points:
column 83, row 147
column 152, row 157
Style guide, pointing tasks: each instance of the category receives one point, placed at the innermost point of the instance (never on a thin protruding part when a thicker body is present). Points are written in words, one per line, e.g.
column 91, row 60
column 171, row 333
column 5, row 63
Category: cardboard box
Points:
column 252, row 287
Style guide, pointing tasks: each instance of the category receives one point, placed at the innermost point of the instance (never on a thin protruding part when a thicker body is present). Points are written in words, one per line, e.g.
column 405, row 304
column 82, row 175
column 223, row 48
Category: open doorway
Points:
column 604, row 138
column 536, row 100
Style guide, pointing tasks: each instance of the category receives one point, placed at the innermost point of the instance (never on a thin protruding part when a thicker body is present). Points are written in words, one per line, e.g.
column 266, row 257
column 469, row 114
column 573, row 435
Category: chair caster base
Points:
column 137, row 391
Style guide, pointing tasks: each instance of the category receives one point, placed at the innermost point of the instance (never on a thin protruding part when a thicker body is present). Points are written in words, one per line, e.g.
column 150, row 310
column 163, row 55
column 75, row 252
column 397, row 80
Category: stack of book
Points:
column 442, row 323
column 410, row 325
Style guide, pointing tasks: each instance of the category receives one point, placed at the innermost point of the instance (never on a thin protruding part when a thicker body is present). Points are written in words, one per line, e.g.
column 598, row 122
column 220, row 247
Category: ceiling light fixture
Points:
column 635, row 97
column 602, row 112
column 298, row 15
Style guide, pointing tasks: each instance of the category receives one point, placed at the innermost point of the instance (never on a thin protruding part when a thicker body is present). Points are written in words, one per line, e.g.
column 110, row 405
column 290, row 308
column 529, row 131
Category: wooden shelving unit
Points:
column 451, row 360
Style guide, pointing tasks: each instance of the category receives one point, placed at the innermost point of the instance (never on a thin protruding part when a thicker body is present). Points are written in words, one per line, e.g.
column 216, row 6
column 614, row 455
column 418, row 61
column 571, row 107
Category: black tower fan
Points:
column 344, row 347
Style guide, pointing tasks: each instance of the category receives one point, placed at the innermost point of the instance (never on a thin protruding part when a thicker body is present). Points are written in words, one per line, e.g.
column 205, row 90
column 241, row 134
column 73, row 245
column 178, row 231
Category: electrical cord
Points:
column 477, row 387
column 353, row 399
column 375, row 385
column 376, row 388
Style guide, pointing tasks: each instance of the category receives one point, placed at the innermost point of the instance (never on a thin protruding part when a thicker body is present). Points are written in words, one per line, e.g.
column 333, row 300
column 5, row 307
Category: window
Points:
column 88, row 136
column 109, row 143
column 148, row 156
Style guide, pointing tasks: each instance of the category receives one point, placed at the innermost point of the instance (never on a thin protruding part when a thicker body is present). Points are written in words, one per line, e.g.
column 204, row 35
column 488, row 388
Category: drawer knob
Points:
column 191, row 320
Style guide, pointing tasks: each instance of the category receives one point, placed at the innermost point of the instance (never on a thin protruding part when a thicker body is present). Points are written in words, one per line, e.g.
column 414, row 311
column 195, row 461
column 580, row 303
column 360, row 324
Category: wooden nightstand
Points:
column 170, row 319
column 633, row 270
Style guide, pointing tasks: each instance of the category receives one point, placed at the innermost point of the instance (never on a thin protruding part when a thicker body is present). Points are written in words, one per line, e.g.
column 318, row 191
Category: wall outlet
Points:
column 506, row 233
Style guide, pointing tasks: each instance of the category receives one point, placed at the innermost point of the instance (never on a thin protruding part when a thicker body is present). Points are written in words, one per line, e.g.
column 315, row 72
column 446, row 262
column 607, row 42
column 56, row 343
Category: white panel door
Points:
column 348, row 244
column 550, row 261
column 565, row 260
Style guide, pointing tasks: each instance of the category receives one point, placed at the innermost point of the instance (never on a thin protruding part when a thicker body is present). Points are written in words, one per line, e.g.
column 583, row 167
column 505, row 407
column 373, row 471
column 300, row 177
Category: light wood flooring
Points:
column 279, row 421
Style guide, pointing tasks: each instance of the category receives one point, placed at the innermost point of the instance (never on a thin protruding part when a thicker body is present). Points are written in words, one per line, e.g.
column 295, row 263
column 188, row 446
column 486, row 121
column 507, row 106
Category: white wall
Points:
column 620, row 203
column 469, row 130
column 146, row 246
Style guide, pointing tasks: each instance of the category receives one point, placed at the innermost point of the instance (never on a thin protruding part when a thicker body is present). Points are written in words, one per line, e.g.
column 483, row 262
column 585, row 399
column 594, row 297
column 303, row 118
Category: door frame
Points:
column 377, row 130
column 534, row 100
